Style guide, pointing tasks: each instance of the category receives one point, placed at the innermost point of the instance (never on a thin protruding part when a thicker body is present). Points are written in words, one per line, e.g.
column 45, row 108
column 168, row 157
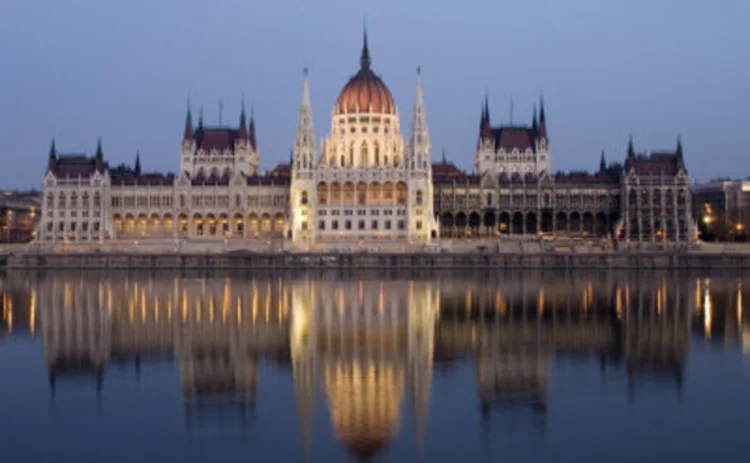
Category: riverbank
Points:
column 663, row 260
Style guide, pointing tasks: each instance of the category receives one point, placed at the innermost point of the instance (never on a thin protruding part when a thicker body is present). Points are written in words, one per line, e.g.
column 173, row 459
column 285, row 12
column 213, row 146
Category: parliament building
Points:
column 365, row 184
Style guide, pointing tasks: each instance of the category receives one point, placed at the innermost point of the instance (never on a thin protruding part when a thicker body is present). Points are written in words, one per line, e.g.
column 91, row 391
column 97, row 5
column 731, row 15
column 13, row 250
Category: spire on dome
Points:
column 364, row 60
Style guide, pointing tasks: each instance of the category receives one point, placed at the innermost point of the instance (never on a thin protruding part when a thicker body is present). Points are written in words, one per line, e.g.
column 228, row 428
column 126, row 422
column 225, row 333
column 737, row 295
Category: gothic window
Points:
column 361, row 224
column 377, row 154
column 237, row 200
column 321, row 224
column 303, row 198
column 335, row 225
column 363, row 161
column 361, row 193
column 322, row 193
column 420, row 198
column 50, row 200
column 351, row 154
column 401, row 193
column 73, row 201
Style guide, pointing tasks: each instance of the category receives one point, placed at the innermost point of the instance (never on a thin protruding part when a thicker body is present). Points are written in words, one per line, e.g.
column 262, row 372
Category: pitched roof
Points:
column 520, row 138
column 123, row 175
column 654, row 164
column 76, row 165
column 216, row 138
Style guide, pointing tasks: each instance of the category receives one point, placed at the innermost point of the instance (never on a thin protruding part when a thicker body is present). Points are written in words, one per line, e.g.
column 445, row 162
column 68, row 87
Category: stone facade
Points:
column 364, row 184
column 575, row 204
column 367, row 183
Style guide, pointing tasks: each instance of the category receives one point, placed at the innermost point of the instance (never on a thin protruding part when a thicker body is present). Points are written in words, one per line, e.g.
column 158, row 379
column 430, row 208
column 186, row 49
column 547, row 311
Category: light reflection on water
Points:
column 366, row 365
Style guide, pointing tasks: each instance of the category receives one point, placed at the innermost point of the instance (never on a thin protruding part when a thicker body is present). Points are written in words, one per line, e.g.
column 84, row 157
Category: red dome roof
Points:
column 365, row 92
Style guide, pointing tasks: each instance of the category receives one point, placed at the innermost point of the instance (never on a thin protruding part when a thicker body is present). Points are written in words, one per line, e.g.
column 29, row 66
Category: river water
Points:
column 522, row 366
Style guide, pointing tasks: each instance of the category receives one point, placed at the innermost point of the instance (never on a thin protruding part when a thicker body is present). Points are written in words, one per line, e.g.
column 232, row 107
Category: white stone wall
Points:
column 74, row 209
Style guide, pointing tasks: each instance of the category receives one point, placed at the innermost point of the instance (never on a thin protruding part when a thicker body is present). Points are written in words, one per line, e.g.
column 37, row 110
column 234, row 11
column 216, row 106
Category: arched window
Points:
column 303, row 198
column 420, row 197
column 97, row 200
column 73, row 200
column 377, row 154
column 363, row 161
column 351, row 154
column 322, row 193
column 85, row 200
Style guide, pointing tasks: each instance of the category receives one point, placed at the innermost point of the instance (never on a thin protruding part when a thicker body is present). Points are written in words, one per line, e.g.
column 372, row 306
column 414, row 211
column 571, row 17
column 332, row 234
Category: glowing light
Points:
column 32, row 314
column 143, row 306
column 184, row 311
column 541, row 301
column 739, row 305
column 707, row 312
column 618, row 302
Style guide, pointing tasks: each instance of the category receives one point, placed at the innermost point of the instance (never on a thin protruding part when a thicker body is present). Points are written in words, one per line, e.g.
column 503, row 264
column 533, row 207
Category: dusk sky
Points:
column 83, row 69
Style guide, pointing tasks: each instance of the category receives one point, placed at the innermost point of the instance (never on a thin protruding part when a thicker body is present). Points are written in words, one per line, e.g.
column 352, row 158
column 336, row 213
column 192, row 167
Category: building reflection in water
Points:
column 371, row 344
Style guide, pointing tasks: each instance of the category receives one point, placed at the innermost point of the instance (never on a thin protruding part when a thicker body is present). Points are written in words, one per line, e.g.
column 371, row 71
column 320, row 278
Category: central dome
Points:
column 365, row 92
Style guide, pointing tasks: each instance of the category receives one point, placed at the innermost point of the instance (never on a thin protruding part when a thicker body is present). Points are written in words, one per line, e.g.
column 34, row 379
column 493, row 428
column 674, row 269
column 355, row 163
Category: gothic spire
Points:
column 200, row 119
column 542, row 116
column 138, row 163
column 364, row 60
column 631, row 151
column 533, row 118
column 251, row 134
column 188, row 134
column 243, row 121
column 602, row 163
column 304, row 146
column 680, row 159
column 52, row 149
column 99, row 152
column 420, row 135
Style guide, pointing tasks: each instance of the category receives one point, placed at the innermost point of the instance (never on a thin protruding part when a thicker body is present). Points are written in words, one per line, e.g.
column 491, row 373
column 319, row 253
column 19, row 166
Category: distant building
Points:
column 19, row 215
column 722, row 208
